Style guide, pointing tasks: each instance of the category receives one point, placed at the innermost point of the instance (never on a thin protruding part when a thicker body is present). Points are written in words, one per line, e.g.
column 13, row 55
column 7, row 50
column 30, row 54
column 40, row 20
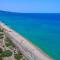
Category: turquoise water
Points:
column 43, row 30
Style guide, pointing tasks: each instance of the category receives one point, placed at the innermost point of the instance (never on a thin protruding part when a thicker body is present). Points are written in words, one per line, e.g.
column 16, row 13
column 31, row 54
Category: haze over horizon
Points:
column 31, row 6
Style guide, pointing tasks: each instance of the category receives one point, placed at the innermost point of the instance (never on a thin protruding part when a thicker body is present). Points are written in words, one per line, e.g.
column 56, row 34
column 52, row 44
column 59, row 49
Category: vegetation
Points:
column 1, row 37
column 6, row 53
column 1, row 34
column 1, row 30
column 18, row 56
column 1, row 50
column 1, row 58
column 8, row 42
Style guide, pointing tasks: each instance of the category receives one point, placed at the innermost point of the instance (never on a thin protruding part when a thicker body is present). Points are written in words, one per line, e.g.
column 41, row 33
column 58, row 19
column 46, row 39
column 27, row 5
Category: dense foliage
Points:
column 6, row 53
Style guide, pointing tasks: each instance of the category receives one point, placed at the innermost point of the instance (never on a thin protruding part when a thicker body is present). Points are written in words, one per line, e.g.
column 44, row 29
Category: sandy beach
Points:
column 28, row 49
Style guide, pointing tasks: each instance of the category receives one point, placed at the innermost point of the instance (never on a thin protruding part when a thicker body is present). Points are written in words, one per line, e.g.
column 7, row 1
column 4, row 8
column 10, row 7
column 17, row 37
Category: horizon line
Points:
column 29, row 12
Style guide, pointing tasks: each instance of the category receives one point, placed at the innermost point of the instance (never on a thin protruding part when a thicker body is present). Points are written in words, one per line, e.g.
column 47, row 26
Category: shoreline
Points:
column 31, row 51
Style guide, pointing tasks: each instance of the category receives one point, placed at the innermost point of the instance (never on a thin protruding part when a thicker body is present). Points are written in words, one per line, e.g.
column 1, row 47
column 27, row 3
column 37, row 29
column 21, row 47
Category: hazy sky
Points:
column 35, row 6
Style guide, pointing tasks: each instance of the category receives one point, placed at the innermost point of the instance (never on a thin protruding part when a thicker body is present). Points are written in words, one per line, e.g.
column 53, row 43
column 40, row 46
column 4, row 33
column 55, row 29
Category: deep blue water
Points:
column 41, row 29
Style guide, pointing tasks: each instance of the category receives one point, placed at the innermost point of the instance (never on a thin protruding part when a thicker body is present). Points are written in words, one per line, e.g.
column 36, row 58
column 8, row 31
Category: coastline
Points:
column 27, row 48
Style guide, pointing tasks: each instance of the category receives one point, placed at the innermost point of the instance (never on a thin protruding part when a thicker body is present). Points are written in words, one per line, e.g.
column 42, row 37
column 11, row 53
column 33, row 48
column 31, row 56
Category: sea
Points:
column 41, row 29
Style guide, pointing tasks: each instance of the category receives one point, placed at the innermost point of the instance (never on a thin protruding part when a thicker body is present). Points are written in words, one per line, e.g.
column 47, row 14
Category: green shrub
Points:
column 1, row 50
column 18, row 56
column 6, row 53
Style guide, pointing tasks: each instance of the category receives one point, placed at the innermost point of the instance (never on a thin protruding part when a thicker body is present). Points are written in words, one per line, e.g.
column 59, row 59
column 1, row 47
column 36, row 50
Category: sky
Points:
column 31, row 6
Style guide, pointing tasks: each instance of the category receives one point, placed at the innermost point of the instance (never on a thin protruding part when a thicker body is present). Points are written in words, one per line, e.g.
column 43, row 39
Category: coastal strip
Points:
column 27, row 49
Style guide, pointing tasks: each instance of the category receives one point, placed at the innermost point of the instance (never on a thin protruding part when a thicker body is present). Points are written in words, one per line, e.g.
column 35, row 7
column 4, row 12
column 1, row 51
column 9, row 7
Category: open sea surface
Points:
column 42, row 29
